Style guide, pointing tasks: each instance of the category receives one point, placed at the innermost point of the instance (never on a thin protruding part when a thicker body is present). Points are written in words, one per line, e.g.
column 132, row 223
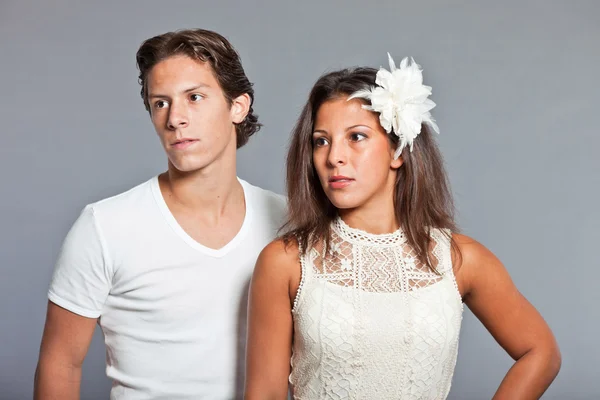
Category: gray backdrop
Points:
column 517, row 91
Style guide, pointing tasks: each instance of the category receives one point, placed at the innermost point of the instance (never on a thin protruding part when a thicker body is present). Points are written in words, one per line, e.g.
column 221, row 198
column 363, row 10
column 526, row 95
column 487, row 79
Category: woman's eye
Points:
column 160, row 104
column 195, row 97
column 320, row 142
column 357, row 137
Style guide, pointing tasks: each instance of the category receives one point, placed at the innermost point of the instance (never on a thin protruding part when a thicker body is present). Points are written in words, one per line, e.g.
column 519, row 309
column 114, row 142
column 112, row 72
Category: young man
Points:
column 164, row 267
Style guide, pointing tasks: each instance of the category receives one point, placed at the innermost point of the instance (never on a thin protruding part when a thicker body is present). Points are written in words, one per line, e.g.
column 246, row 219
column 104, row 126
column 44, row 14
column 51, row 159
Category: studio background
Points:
column 517, row 89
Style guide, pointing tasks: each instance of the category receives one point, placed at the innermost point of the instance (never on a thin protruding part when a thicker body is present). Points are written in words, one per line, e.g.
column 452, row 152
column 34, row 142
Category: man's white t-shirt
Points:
column 173, row 312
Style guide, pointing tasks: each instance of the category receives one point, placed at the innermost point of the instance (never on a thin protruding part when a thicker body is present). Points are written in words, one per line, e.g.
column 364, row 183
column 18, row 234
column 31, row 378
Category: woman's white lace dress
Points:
column 371, row 322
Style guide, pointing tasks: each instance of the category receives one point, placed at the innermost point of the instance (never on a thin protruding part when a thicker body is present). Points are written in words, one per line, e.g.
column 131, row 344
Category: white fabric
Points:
column 172, row 311
column 371, row 322
column 401, row 100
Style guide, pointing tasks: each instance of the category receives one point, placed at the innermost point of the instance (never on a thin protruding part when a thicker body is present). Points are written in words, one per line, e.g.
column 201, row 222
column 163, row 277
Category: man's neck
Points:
column 210, row 191
column 208, row 204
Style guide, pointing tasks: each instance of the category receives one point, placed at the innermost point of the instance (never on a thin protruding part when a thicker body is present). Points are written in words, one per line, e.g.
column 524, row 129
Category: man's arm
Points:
column 65, row 343
column 78, row 289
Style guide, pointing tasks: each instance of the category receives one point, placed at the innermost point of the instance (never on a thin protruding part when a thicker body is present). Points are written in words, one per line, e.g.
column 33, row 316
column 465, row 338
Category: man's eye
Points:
column 195, row 97
column 161, row 104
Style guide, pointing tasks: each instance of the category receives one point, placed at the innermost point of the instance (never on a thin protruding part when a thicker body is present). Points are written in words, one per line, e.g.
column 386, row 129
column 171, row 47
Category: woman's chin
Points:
column 344, row 203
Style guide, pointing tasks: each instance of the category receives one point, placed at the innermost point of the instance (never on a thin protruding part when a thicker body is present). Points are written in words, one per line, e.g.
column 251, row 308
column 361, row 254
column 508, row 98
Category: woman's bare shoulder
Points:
column 279, row 258
column 278, row 266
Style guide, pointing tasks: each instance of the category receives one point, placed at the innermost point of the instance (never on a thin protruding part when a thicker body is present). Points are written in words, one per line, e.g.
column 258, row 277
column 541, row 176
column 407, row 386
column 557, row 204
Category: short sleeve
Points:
column 83, row 273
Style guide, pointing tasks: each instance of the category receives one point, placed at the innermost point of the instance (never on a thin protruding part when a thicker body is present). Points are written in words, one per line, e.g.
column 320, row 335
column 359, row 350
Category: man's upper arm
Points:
column 67, row 337
column 83, row 273
column 79, row 287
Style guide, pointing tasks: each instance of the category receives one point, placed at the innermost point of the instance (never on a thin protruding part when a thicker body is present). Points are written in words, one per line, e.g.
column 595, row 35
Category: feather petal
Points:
column 401, row 100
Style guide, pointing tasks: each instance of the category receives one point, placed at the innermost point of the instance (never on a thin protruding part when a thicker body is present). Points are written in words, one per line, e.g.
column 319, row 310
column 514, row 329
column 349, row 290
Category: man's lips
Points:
column 183, row 143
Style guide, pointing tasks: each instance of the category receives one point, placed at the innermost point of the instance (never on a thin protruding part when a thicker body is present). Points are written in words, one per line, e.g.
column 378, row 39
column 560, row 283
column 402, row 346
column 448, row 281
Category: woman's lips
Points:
column 339, row 182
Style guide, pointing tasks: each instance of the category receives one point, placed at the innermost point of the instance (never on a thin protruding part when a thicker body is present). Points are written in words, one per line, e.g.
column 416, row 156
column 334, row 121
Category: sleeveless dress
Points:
column 372, row 322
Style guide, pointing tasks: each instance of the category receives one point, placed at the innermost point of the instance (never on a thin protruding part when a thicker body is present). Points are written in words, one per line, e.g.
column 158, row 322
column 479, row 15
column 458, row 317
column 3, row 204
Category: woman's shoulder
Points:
column 282, row 255
column 472, row 261
column 279, row 264
column 471, row 251
column 281, row 249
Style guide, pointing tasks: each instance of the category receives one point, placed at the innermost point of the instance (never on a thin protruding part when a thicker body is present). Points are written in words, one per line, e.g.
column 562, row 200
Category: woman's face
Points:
column 353, row 155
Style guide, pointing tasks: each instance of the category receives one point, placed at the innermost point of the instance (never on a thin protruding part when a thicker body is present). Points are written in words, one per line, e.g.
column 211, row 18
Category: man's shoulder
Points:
column 264, row 197
column 125, row 202
column 270, row 206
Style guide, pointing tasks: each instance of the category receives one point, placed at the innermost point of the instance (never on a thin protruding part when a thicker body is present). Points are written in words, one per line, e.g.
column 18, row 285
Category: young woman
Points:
column 363, row 297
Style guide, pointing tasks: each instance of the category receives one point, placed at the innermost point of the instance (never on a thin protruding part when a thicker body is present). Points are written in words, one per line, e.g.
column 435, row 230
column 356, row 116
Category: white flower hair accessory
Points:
column 401, row 100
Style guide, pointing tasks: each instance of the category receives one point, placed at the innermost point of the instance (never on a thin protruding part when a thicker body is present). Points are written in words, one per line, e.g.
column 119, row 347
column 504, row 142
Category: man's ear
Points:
column 240, row 107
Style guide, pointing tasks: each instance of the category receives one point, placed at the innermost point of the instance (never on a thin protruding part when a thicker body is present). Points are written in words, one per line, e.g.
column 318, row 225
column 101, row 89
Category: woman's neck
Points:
column 373, row 220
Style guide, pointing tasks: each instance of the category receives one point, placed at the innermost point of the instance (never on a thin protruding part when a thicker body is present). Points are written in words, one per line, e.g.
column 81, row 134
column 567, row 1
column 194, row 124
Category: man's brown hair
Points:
column 205, row 46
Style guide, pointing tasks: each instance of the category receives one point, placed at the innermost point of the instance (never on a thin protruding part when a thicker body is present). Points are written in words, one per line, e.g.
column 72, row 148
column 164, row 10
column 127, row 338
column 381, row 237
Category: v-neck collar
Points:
column 217, row 253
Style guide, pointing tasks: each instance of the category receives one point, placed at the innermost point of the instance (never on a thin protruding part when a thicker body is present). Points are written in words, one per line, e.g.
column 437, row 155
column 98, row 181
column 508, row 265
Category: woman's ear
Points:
column 397, row 163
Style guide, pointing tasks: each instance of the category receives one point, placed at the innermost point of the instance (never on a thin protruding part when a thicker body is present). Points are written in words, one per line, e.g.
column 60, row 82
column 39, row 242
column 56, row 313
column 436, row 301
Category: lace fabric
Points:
column 373, row 322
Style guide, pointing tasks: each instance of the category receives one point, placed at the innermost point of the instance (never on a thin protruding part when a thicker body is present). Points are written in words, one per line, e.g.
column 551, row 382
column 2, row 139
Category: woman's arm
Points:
column 516, row 325
column 274, row 284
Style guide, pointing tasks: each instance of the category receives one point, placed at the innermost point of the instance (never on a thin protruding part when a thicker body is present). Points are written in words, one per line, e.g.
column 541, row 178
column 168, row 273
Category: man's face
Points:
column 190, row 113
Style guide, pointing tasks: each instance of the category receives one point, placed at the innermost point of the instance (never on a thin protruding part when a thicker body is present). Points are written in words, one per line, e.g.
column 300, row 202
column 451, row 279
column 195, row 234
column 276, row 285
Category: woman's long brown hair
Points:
column 423, row 200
